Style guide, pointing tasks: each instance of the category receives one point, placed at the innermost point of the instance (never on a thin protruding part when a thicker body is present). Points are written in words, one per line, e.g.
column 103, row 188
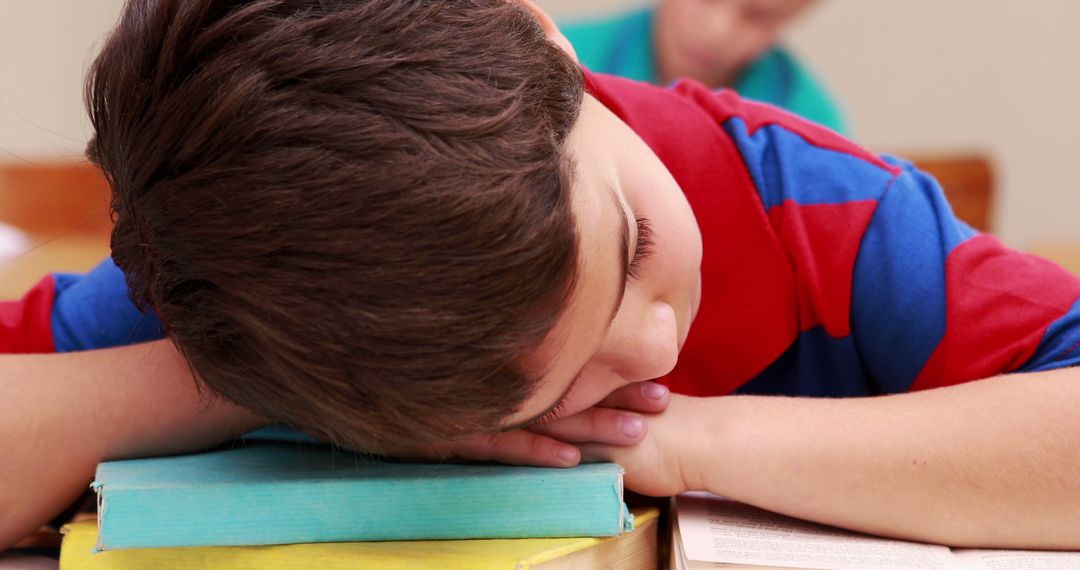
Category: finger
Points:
column 644, row 397
column 597, row 425
column 519, row 447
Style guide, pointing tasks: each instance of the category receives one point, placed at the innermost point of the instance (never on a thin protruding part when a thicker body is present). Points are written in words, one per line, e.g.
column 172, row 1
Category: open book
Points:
column 711, row 532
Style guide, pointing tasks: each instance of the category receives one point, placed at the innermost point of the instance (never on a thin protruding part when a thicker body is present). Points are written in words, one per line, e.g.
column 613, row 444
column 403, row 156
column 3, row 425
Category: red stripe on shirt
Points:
column 25, row 324
column 822, row 242
column 1000, row 303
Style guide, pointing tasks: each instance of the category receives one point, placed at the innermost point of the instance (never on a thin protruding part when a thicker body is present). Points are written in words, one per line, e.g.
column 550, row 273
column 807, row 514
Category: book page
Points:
column 678, row 557
column 1018, row 560
column 719, row 530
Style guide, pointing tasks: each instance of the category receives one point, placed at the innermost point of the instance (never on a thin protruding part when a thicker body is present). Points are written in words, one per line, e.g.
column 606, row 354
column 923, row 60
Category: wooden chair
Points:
column 63, row 207
column 55, row 198
column 968, row 181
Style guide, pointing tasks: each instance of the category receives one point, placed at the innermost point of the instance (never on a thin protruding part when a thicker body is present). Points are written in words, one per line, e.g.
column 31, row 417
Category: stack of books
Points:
column 267, row 504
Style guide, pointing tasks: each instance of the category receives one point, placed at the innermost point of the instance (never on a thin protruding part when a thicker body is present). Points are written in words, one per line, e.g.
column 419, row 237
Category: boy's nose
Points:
column 720, row 23
column 648, row 347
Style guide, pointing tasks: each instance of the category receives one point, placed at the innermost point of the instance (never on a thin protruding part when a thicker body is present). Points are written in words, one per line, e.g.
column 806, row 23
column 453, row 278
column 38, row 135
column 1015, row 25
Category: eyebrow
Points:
column 624, row 247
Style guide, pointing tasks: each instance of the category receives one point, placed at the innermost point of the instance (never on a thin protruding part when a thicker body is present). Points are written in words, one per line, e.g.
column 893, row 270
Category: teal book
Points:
column 287, row 492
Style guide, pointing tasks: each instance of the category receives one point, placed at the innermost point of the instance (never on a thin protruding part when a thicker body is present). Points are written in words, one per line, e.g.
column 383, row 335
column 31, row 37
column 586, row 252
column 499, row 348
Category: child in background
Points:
column 470, row 246
column 721, row 43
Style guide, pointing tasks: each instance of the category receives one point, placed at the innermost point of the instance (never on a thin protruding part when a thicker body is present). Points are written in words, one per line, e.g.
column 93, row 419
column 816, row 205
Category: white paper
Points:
column 718, row 530
column 678, row 556
column 1018, row 560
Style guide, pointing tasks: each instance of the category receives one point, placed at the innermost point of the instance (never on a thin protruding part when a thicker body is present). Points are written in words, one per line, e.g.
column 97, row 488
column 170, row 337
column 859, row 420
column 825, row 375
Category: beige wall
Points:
column 996, row 75
column 45, row 46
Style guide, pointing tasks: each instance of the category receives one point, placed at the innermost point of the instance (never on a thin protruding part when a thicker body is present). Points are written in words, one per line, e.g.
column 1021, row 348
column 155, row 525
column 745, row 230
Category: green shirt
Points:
column 623, row 45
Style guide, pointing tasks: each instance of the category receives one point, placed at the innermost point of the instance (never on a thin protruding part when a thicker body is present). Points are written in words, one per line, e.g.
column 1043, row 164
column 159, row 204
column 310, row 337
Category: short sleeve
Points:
column 94, row 310
column 24, row 323
column 936, row 303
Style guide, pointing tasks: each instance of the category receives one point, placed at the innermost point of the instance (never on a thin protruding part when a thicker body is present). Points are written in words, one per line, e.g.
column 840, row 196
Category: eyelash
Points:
column 643, row 250
column 552, row 414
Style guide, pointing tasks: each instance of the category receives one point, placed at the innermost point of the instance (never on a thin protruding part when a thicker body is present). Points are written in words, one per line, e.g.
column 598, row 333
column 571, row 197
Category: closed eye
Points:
column 552, row 414
column 642, row 250
column 556, row 411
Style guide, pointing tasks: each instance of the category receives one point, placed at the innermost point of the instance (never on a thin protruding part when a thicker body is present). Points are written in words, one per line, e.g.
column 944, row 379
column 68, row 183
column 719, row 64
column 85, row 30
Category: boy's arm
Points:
column 62, row 414
column 988, row 464
column 993, row 463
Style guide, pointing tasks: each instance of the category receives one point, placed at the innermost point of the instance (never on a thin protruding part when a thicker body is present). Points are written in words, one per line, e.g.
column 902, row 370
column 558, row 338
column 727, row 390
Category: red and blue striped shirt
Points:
column 829, row 271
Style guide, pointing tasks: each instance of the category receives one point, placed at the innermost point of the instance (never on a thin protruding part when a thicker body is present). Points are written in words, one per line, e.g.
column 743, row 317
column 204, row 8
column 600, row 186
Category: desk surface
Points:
column 48, row 254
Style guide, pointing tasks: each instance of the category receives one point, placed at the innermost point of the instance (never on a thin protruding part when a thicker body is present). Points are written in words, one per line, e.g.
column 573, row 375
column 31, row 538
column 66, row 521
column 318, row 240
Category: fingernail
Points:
column 655, row 391
column 567, row 453
column 631, row 426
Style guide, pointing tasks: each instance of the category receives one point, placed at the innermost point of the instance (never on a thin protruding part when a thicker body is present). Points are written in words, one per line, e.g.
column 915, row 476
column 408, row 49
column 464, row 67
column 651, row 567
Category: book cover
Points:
column 279, row 493
column 635, row 550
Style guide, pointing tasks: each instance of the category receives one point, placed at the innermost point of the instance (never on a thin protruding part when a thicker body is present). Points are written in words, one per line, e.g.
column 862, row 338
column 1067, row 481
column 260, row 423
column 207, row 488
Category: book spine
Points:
column 227, row 514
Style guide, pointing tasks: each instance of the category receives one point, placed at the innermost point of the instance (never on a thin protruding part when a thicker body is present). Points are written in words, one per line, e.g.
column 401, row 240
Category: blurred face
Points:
column 638, row 284
column 713, row 40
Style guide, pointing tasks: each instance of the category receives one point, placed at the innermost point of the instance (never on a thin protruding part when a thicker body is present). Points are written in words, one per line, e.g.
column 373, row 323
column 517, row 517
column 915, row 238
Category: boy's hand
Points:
column 614, row 422
column 663, row 463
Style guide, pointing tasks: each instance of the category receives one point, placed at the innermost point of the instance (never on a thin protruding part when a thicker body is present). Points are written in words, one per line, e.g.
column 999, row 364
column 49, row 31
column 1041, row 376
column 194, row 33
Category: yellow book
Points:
column 632, row 550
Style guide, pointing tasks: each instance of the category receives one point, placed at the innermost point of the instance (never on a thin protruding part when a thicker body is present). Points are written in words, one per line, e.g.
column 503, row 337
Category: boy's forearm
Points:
column 160, row 409
column 994, row 463
column 62, row 414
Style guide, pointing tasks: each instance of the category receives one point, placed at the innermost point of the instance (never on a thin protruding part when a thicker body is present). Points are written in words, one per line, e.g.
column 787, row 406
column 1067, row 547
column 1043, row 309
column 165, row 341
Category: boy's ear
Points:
column 548, row 26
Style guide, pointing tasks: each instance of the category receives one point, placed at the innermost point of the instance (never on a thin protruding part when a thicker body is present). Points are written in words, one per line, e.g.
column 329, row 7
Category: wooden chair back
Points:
column 968, row 181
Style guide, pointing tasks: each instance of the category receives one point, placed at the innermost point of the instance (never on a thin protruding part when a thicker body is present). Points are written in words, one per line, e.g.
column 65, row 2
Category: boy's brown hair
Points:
column 351, row 216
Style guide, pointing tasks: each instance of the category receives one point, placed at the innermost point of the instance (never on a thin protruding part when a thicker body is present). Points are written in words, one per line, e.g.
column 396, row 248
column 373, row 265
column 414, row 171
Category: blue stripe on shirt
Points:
column 784, row 166
column 94, row 311
column 898, row 304
column 815, row 365
column 1060, row 345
